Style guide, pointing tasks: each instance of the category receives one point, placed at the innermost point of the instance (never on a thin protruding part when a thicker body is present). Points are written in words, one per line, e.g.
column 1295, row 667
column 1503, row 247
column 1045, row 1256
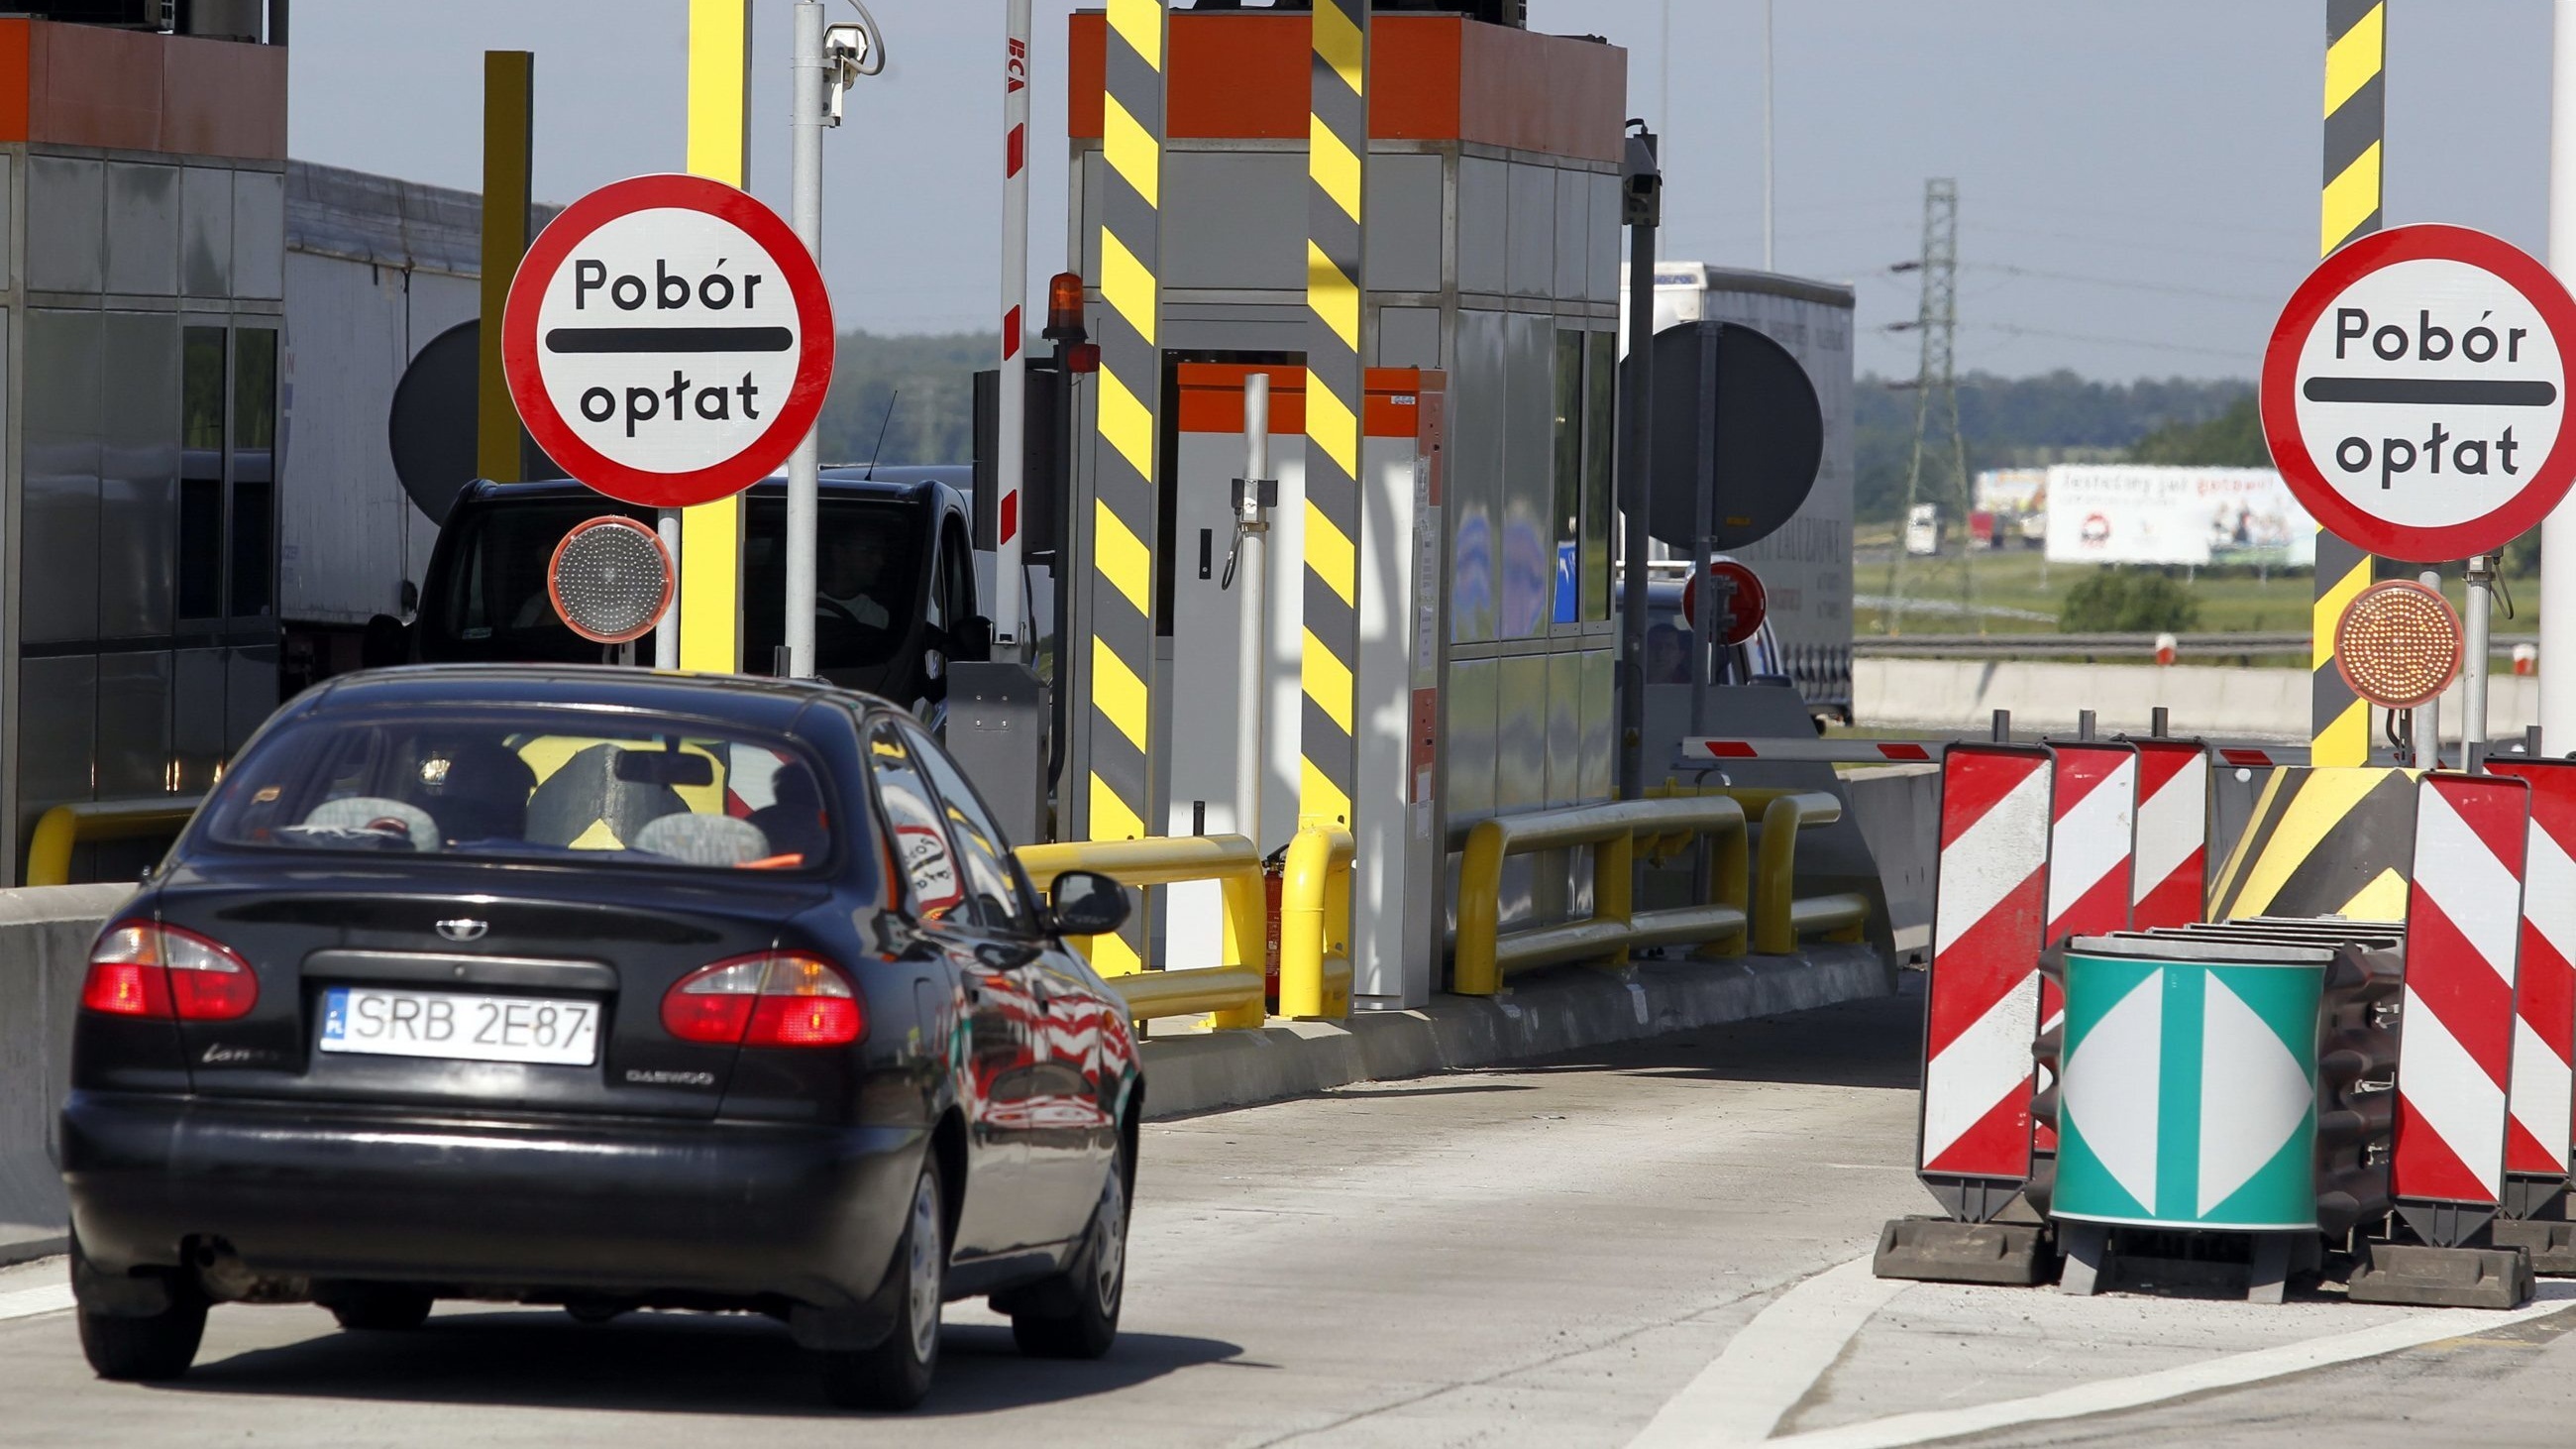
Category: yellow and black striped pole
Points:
column 1336, row 404
column 2356, row 122
column 1121, row 664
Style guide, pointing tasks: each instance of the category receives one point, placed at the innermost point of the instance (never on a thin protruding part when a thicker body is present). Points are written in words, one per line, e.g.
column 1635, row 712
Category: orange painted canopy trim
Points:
column 1212, row 398
column 89, row 85
column 1247, row 76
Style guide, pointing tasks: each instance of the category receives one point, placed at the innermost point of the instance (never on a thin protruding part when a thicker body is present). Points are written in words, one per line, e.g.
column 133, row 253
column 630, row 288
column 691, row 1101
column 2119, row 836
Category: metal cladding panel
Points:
column 57, row 733
column 347, row 533
column 1988, row 918
column 138, row 499
column 1484, row 211
column 1574, row 230
column 1520, row 735
column 1205, row 649
column 1601, row 274
column 205, row 232
column 1564, row 729
column 1600, row 725
column 1386, row 826
column 2170, row 880
column 1530, row 222
column 2543, row 1094
column 1406, row 203
column 58, row 579
column 197, row 723
column 142, row 229
column 1234, row 219
column 1476, row 454
column 1408, row 337
column 134, row 724
column 66, row 224
column 1468, row 768
column 2456, row 1031
column 250, row 692
column 259, row 234
column 1529, row 461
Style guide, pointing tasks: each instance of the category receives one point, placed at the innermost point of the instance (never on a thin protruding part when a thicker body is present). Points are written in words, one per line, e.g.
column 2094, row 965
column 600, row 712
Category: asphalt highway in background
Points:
column 1654, row 1245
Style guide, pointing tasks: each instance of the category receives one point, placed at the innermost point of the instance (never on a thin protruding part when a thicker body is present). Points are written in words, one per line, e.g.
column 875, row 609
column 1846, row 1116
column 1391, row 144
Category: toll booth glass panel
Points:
column 201, row 473
column 1600, row 394
column 1567, row 477
column 254, row 469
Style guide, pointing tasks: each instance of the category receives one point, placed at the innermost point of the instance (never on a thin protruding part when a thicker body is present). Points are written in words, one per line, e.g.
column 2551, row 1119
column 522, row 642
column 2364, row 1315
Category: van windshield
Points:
column 492, row 602
column 570, row 786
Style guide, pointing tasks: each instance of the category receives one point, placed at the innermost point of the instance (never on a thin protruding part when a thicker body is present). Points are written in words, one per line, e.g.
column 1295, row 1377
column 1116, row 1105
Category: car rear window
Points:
column 561, row 785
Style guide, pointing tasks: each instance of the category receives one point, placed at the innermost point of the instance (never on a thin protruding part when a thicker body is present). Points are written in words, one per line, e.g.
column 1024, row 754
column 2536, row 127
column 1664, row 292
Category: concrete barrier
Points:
column 1899, row 812
column 45, row 935
column 1963, row 694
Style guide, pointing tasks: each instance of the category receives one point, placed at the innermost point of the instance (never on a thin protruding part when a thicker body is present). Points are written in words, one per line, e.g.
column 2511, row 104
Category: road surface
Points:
column 1655, row 1245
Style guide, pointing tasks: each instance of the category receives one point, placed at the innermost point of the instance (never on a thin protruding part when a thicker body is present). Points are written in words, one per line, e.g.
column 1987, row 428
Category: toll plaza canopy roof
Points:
column 1247, row 75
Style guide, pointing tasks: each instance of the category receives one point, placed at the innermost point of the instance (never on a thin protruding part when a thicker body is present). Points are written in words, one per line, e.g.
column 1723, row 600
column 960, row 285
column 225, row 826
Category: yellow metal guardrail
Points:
column 49, row 853
column 1780, row 914
column 1315, row 924
column 1234, row 994
column 1484, row 955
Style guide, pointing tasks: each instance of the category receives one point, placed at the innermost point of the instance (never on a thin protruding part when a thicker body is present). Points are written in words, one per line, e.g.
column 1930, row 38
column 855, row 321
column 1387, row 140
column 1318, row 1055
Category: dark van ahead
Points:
column 895, row 591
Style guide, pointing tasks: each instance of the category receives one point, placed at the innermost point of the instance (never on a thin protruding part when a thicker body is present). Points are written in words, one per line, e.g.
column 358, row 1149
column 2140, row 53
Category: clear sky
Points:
column 2161, row 160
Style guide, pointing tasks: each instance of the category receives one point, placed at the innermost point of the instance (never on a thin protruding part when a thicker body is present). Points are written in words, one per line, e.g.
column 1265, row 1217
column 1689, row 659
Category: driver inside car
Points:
column 852, row 569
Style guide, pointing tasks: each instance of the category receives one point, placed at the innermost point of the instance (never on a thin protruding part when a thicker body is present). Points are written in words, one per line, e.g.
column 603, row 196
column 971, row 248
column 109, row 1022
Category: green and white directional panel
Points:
column 2189, row 1095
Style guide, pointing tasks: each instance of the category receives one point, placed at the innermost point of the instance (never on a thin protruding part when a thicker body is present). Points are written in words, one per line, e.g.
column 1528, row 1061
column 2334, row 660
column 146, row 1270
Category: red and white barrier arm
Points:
column 1012, row 405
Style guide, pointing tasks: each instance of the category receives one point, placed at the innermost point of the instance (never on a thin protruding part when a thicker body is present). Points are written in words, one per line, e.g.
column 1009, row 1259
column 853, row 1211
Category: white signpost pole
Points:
column 2558, row 532
column 804, row 466
column 1011, row 430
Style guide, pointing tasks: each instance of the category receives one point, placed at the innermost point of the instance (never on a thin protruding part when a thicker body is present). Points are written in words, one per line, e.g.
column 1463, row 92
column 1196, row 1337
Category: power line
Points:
column 2123, row 283
column 2019, row 331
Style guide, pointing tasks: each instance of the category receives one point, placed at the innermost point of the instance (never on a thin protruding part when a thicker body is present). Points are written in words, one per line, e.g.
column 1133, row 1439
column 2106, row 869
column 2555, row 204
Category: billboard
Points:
column 2122, row 513
column 2010, row 491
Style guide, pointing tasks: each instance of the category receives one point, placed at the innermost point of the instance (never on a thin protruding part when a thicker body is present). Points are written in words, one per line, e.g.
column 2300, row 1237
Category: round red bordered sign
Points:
column 2415, row 393
column 668, row 340
column 1746, row 607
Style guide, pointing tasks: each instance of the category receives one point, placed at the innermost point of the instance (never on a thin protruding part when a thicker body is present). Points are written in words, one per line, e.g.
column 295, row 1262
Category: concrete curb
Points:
column 25, row 1243
column 1558, row 1011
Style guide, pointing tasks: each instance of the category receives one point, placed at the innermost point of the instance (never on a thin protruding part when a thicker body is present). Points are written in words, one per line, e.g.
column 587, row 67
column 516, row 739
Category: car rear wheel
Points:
column 896, row 1373
column 381, row 1307
column 145, row 1347
column 1080, row 1318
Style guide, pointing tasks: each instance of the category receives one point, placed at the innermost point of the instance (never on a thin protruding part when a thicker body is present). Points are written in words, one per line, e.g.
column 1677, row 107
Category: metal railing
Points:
column 1780, row 914
column 1315, row 924
column 1234, row 994
column 2052, row 646
column 49, row 853
column 1485, row 954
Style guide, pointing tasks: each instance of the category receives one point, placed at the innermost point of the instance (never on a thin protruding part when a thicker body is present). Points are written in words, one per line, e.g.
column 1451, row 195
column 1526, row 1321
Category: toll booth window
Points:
column 254, row 465
column 1567, row 475
column 201, row 473
column 1600, row 399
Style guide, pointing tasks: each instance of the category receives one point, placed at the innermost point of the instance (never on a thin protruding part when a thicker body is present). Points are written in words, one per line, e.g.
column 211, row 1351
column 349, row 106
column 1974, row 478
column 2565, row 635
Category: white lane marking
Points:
column 28, row 1302
column 1772, row 1361
column 2232, row 1371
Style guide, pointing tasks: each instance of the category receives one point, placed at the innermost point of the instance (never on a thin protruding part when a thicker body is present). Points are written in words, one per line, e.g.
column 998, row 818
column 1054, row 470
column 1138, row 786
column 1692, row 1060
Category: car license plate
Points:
column 460, row 1025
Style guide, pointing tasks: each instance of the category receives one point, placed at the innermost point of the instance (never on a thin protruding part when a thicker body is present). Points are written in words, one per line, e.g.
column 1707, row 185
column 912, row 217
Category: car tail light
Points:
column 775, row 999
column 141, row 969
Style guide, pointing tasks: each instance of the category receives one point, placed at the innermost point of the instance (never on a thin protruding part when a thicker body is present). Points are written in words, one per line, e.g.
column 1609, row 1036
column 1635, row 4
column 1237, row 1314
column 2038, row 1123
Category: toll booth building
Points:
column 1484, row 681
column 142, row 177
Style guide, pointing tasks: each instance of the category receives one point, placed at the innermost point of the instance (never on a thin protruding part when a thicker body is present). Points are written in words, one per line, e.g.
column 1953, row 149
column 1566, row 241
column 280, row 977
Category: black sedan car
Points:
column 607, row 989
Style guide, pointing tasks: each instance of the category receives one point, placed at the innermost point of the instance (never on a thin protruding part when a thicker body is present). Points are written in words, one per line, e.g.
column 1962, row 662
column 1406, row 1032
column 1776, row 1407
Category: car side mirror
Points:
column 1086, row 903
column 972, row 640
column 386, row 643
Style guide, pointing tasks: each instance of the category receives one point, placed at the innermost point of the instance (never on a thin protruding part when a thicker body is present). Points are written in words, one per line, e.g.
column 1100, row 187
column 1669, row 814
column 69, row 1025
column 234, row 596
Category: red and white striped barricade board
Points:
column 2092, row 854
column 2455, row 1034
column 1989, row 913
column 2171, row 861
column 2543, row 1092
